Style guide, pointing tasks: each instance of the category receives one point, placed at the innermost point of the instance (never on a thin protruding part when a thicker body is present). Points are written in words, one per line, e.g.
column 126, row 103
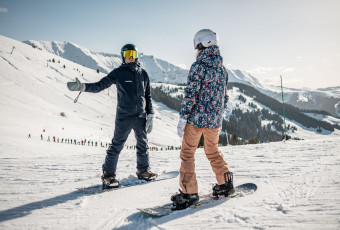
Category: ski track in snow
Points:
column 297, row 188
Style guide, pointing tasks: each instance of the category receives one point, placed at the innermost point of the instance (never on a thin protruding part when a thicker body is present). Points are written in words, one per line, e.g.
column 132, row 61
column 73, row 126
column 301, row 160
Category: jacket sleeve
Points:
column 104, row 83
column 226, row 97
column 148, row 100
column 191, row 94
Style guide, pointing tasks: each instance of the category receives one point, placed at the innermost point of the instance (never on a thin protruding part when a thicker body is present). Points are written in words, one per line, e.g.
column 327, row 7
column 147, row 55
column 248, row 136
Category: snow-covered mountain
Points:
column 34, row 81
column 327, row 99
column 297, row 181
column 159, row 70
column 34, row 98
column 253, row 104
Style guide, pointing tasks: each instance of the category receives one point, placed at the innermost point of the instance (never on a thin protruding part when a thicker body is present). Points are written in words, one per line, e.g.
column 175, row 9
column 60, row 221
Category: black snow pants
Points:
column 122, row 130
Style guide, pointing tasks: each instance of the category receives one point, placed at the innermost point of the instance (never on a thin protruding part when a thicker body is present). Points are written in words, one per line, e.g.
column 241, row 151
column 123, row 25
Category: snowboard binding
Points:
column 146, row 175
column 109, row 180
column 226, row 189
column 182, row 200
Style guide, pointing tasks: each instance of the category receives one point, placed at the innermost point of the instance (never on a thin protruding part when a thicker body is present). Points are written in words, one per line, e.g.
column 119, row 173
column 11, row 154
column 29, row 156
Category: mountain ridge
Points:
column 34, row 80
column 327, row 99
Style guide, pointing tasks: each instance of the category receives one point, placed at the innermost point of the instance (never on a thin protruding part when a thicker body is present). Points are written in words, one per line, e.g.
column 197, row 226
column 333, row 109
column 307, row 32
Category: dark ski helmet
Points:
column 128, row 47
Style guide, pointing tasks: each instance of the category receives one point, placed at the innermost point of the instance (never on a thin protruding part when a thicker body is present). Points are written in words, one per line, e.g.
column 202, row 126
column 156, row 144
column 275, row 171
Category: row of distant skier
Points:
column 95, row 143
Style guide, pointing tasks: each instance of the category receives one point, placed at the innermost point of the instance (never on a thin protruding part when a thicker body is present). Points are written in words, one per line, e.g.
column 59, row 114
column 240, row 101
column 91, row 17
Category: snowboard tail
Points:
column 164, row 210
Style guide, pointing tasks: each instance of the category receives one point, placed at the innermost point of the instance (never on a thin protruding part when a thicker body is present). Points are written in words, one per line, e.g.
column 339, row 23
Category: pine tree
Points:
column 253, row 140
column 201, row 142
column 234, row 139
column 223, row 140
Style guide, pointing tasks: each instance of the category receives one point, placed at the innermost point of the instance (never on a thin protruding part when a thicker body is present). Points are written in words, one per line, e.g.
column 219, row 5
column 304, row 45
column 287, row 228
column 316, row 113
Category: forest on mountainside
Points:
column 246, row 126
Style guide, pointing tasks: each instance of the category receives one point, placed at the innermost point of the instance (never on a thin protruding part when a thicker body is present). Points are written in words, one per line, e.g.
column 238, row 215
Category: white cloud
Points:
column 289, row 70
column 293, row 81
column 299, row 57
column 288, row 81
column 266, row 70
column 260, row 70
column 3, row 10
column 309, row 67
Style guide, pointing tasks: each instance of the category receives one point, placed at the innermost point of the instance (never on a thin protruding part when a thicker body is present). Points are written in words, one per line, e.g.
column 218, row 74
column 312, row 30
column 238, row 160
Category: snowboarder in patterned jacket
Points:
column 134, row 111
column 201, row 112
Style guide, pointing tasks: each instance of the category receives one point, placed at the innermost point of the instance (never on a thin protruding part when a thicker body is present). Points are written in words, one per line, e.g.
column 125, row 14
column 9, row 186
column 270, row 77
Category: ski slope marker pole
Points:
column 283, row 104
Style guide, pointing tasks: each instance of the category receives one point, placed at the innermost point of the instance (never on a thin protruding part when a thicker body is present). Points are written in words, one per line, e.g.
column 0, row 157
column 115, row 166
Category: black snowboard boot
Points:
column 146, row 175
column 226, row 189
column 109, row 180
column 182, row 200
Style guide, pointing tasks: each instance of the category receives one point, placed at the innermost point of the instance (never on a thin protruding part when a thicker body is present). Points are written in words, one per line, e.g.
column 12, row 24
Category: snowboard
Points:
column 164, row 210
column 128, row 182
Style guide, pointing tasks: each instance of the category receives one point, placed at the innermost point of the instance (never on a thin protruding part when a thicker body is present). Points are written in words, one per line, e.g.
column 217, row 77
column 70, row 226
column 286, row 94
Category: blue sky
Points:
column 298, row 39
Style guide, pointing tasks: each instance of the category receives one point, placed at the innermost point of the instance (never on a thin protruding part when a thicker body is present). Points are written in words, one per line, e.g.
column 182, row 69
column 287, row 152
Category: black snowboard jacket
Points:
column 133, row 90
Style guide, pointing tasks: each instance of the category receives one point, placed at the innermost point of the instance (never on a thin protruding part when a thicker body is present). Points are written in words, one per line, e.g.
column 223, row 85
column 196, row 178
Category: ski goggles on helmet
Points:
column 130, row 53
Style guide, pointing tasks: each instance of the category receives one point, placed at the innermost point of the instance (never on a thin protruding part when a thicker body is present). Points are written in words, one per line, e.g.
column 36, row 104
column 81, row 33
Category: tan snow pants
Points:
column 190, row 141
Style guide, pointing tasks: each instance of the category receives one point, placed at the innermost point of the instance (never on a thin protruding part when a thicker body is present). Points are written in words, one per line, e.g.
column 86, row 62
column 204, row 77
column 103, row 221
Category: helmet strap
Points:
column 200, row 46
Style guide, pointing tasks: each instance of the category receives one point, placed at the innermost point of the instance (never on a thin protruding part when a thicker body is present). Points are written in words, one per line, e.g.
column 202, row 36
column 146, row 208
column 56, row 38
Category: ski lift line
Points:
column 283, row 104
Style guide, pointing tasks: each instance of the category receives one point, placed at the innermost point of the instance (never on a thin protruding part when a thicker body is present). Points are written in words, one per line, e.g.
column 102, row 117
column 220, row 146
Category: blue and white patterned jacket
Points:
column 206, row 92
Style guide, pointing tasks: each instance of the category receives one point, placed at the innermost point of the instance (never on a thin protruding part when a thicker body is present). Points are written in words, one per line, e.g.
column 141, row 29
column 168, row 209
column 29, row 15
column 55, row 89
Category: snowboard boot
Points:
column 182, row 200
column 226, row 189
column 109, row 180
column 146, row 175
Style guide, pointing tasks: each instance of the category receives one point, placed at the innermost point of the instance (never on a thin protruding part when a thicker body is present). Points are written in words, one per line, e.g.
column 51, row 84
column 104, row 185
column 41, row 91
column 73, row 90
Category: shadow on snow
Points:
column 141, row 220
column 26, row 209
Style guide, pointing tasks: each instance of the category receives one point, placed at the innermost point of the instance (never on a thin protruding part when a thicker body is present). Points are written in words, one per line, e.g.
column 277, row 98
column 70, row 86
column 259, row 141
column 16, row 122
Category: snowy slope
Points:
column 327, row 99
column 234, row 102
column 302, row 131
column 297, row 181
column 244, row 78
column 37, row 86
column 33, row 86
column 158, row 69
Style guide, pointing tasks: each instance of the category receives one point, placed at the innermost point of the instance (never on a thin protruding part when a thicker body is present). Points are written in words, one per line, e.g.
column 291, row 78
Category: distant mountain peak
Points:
column 162, row 71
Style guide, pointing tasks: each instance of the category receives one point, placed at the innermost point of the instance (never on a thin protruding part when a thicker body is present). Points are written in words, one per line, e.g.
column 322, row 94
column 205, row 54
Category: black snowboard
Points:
column 128, row 182
column 164, row 210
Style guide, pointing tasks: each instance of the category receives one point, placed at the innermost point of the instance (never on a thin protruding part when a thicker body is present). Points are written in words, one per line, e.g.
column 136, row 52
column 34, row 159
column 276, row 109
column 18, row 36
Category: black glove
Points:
column 149, row 123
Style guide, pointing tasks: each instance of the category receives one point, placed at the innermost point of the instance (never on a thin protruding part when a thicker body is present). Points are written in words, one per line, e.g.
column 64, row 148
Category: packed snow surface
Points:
column 298, row 188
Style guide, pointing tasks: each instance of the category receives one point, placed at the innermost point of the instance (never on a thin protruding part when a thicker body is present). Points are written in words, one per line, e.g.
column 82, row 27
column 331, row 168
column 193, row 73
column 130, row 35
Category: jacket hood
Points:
column 210, row 56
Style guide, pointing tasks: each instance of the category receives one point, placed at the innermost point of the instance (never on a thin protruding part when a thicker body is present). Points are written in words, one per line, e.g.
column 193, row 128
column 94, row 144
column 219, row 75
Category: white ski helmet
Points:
column 205, row 38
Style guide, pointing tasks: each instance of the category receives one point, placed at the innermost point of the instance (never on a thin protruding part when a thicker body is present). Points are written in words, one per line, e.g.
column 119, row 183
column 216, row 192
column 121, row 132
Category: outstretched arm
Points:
column 104, row 83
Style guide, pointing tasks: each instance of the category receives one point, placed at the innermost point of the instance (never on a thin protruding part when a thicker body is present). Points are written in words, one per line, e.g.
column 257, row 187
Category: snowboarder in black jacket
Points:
column 134, row 111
